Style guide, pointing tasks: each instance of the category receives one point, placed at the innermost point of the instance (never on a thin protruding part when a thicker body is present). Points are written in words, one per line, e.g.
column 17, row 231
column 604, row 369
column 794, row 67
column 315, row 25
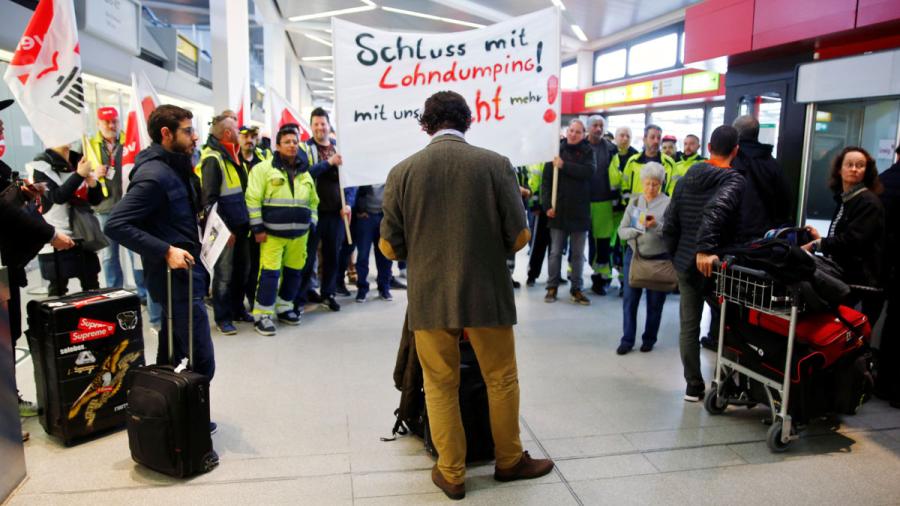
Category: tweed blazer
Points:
column 453, row 211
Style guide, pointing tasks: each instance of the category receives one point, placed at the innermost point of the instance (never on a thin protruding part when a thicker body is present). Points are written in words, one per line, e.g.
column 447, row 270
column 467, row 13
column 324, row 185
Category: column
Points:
column 585, row 60
column 230, row 40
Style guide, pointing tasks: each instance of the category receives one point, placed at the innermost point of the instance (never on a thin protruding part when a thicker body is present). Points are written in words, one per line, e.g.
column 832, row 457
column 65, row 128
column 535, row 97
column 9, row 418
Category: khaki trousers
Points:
column 438, row 351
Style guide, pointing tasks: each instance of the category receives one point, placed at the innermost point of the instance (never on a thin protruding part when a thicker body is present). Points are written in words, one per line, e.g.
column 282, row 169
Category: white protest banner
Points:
column 508, row 73
column 215, row 238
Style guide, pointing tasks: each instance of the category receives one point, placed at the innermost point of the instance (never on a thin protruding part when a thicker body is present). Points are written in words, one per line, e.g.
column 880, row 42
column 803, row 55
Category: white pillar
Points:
column 274, row 76
column 230, row 39
column 293, row 71
column 585, row 61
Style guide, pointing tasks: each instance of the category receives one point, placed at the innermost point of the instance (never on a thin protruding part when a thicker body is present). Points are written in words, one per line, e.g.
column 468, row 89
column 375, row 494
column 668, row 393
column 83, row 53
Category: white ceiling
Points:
column 601, row 20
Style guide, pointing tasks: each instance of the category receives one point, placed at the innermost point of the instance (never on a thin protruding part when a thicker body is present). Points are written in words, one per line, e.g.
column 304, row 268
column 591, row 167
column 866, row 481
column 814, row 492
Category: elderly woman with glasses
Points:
column 641, row 227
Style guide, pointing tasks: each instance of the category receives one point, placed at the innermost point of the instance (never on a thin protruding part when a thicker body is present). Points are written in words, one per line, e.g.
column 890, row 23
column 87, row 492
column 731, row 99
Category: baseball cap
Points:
column 247, row 129
column 669, row 138
column 6, row 103
column 107, row 113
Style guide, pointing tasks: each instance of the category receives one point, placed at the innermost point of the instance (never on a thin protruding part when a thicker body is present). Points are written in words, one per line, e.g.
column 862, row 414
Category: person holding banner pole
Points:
column 105, row 149
column 567, row 198
column 335, row 204
column 67, row 186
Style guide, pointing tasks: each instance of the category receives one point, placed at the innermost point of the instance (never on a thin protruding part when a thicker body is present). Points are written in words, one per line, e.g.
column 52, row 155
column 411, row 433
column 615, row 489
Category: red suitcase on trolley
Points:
column 823, row 333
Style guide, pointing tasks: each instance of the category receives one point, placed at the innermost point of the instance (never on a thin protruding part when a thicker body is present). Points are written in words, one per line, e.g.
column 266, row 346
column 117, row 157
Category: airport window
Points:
column 654, row 54
column 610, row 65
column 680, row 123
column 635, row 122
column 569, row 76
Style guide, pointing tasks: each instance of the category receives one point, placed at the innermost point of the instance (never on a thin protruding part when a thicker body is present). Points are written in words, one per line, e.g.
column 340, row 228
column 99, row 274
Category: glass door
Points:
column 870, row 124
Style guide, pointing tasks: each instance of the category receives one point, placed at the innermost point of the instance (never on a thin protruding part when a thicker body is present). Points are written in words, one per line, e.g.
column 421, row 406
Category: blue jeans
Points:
column 367, row 231
column 630, row 302
column 204, row 354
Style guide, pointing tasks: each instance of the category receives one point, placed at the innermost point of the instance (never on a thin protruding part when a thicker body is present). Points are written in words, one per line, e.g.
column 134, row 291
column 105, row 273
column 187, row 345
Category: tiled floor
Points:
column 300, row 416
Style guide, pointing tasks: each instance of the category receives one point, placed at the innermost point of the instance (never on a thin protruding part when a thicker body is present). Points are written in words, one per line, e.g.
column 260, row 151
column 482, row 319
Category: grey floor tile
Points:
column 301, row 416
column 694, row 458
column 605, row 467
column 590, row 446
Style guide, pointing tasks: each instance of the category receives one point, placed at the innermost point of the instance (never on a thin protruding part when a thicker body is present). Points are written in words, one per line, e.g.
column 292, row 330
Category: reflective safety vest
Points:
column 631, row 175
column 280, row 207
column 232, row 206
column 681, row 168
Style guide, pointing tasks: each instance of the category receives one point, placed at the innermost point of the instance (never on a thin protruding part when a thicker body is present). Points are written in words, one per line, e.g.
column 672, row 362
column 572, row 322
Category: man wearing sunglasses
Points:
column 158, row 218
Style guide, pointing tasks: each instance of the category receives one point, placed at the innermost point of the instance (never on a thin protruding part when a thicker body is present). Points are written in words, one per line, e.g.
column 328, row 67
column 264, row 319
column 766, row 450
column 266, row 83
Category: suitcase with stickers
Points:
column 168, row 410
column 82, row 346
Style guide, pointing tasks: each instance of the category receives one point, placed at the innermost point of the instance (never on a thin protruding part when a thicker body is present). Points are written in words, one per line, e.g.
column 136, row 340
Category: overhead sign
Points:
column 507, row 72
column 117, row 22
column 698, row 82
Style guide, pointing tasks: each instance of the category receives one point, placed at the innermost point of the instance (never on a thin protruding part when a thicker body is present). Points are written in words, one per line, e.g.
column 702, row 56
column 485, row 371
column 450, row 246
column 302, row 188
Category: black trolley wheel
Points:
column 714, row 403
column 773, row 439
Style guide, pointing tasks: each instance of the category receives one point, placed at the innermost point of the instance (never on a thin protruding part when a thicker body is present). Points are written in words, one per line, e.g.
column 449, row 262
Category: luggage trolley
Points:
column 754, row 289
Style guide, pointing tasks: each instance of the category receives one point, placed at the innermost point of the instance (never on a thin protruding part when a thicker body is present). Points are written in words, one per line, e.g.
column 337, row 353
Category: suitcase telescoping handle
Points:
column 190, row 320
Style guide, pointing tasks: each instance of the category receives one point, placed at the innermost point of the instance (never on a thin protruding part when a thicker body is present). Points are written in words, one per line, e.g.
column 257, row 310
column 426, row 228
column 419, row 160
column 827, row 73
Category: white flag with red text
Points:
column 283, row 113
column 143, row 101
column 45, row 74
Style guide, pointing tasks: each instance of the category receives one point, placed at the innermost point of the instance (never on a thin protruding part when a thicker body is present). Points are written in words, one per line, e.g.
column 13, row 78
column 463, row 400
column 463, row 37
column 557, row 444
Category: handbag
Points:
column 86, row 228
column 652, row 274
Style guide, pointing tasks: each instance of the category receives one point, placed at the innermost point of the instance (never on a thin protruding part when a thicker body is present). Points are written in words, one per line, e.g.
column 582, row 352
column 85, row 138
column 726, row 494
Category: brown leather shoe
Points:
column 455, row 492
column 526, row 469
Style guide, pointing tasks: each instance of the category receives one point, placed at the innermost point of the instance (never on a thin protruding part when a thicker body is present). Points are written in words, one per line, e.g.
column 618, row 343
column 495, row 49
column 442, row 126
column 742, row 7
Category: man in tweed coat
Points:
column 454, row 213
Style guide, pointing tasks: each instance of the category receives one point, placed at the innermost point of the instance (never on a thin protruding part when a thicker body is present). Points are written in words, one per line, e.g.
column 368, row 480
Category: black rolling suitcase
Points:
column 168, row 411
column 83, row 345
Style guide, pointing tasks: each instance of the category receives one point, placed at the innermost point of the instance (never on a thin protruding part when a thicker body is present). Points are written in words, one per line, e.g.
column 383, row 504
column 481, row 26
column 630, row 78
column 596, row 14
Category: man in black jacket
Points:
column 570, row 217
column 701, row 218
column 23, row 234
column 158, row 218
column 604, row 194
column 889, row 381
column 767, row 199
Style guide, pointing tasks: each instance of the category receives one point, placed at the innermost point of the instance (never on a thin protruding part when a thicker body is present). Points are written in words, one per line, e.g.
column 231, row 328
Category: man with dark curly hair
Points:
column 454, row 213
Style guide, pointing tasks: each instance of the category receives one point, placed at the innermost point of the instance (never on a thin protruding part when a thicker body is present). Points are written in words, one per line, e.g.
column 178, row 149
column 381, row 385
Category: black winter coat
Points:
column 601, row 188
column 857, row 244
column 767, row 198
column 702, row 214
column 159, row 210
column 573, row 199
column 890, row 199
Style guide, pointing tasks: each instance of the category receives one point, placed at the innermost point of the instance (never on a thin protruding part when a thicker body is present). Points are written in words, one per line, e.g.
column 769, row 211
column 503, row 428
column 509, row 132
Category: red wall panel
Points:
column 871, row 12
column 779, row 22
column 717, row 28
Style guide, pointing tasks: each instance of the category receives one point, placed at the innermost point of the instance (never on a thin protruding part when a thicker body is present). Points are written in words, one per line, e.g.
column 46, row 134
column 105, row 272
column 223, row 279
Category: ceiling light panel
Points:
column 368, row 5
column 579, row 33
column 432, row 17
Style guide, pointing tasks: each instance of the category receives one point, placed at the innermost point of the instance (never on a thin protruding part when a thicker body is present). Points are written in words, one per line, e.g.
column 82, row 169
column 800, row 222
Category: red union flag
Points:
column 143, row 101
column 283, row 113
column 45, row 73
column 245, row 99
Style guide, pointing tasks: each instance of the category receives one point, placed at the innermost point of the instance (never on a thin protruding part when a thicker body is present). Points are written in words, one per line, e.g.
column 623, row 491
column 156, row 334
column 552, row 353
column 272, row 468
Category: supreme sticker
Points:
column 89, row 330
